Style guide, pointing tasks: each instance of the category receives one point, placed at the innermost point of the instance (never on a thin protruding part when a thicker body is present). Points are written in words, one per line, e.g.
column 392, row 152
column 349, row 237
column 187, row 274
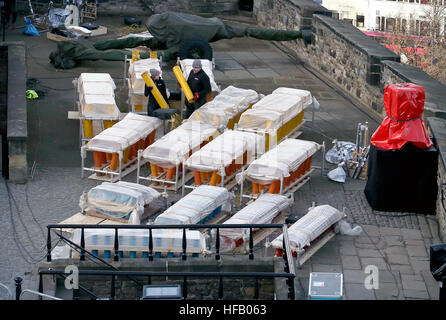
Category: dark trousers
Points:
column 191, row 107
column 152, row 105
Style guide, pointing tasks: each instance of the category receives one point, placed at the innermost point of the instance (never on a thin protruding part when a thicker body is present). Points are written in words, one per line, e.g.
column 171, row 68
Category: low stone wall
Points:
column 437, row 127
column 234, row 288
column 14, row 122
column 338, row 50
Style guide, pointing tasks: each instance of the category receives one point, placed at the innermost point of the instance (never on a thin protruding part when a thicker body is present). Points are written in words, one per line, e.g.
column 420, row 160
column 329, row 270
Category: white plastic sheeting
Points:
column 261, row 211
column 274, row 110
column 94, row 77
column 123, row 134
column 233, row 93
column 164, row 240
column 310, row 226
column 225, row 106
column 99, row 106
column 305, row 95
column 96, row 96
column 196, row 206
column 173, row 148
column 286, row 157
column 186, row 67
column 229, row 146
column 121, row 200
column 139, row 67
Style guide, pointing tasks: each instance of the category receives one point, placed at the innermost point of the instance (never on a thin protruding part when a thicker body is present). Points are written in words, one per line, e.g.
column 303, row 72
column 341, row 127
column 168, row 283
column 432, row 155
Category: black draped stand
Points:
column 402, row 180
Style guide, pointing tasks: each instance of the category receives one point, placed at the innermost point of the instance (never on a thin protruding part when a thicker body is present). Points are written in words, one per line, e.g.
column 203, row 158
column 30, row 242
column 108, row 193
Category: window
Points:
column 360, row 21
column 380, row 23
column 348, row 20
column 390, row 25
column 424, row 28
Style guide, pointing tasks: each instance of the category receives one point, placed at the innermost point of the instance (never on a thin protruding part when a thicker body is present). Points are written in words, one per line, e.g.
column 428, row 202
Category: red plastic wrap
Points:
column 404, row 105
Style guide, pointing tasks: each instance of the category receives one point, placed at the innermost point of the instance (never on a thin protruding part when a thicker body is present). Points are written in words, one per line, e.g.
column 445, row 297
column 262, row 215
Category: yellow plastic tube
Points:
column 109, row 123
column 135, row 55
column 183, row 83
column 88, row 129
column 156, row 93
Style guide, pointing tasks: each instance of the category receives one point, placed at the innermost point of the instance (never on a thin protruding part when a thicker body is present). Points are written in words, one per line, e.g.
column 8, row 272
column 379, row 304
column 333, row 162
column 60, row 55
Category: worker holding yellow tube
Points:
column 200, row 86
column 153, row 104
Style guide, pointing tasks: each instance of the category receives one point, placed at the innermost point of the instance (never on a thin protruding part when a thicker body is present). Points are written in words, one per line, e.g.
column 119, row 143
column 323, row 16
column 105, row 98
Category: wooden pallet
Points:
column 126, row 170
column 99, row 31
column 56, row 37
column 261, row 234
column 314, row 247
column 171, row 186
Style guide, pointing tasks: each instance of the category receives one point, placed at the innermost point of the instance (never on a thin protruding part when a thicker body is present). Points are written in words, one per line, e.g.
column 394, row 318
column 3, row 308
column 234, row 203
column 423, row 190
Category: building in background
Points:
column 406, row 16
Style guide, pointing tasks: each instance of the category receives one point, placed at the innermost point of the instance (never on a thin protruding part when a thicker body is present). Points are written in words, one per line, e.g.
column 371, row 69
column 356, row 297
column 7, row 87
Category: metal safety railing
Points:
column 288, row 274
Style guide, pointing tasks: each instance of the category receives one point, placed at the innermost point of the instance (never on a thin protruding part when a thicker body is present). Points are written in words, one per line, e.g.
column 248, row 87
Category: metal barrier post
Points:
column 48, row 246
column 18, row 287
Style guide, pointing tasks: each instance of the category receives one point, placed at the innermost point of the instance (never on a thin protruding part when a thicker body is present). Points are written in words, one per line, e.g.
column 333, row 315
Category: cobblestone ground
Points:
column 398, row 245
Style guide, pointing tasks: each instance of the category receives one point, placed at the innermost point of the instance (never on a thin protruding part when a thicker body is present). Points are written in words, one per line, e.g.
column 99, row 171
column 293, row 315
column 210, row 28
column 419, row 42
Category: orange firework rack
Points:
column 219, row 161
column 167, row 155
column 277, row 116
column 96, row 105
column 115, row 149
column 282, row 170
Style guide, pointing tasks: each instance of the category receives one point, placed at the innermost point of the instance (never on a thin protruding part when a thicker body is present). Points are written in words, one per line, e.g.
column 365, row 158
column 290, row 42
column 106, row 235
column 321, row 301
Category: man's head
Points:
column 155, row 74
column 196, row 65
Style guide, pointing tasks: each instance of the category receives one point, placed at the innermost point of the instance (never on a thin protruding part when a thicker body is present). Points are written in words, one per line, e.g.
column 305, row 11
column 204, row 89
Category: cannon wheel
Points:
column 195, row 49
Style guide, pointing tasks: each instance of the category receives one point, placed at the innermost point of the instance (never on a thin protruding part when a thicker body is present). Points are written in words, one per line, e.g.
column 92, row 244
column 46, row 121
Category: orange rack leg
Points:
column 114, row 162
column 197, row 177
column 255, row 188
column 275, row 187
column 215, row 179
column 170, row 173
column 153, row 170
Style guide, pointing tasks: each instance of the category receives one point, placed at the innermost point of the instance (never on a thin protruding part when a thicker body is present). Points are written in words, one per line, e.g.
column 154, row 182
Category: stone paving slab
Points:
column 416, row 295
column 238, row 74
column 263, row 72
column 356, row 291
column 350, row 262
column 432, row 285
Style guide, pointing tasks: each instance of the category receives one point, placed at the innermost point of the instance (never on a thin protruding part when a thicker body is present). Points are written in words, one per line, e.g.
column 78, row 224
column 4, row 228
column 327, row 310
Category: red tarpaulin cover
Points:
column 404, row 105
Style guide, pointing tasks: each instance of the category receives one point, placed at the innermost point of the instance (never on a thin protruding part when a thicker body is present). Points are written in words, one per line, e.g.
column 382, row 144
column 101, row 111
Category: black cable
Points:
column 32, row 213
column 16, row 237
column 11, row 196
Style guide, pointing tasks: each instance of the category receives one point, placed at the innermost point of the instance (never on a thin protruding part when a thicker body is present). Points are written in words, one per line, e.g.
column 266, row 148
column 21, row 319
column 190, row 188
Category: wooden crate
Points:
column 56, row 37
column 99, row 32
column 89, row 12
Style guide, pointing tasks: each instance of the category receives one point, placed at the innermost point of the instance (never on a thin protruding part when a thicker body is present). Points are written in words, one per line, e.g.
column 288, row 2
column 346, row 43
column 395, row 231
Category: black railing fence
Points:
column 288, row 274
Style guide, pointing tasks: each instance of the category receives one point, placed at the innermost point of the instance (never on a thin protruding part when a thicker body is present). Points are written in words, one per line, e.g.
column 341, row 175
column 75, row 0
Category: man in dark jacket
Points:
column 200, row 86
column 153, row 105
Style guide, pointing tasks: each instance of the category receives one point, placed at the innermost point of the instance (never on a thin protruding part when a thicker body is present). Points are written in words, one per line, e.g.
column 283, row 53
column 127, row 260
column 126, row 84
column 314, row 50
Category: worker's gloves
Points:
column 150, row 88
column 196, row 96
